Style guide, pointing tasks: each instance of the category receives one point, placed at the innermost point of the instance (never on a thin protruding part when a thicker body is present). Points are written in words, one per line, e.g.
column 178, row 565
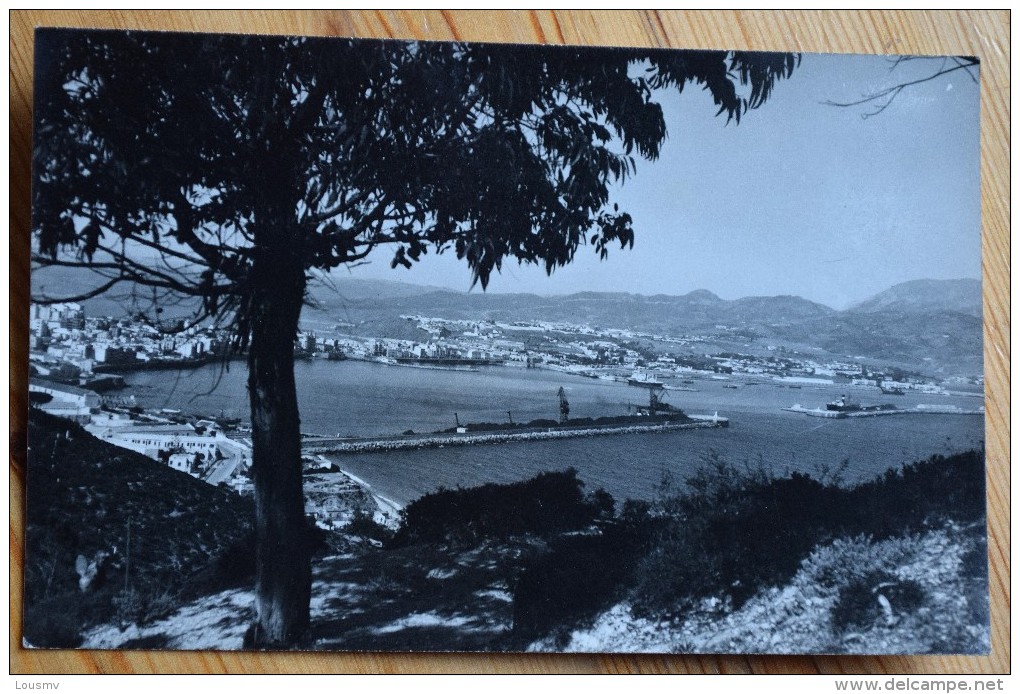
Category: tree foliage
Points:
column 231, row 169
column 157, row 154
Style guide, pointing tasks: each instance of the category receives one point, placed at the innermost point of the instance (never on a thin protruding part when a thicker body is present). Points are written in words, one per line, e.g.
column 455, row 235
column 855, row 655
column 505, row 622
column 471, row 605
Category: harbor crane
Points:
column 656, row 395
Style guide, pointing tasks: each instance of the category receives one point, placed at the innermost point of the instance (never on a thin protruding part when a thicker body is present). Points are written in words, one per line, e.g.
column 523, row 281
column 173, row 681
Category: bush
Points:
column 550, row 502
column 734, row 531
column 363, row 525
column 860, row 603
column 579, row 578
column 54, row 623
column 235, row 564
column 920, row 495
column 934, row 581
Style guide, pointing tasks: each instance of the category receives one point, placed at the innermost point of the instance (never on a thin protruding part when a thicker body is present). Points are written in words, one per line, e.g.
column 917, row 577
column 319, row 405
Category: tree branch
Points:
column 888, row 95
column 48, row 301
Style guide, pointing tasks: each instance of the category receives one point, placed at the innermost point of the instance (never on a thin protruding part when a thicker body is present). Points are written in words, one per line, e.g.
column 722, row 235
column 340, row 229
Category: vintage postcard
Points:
column 347, row 344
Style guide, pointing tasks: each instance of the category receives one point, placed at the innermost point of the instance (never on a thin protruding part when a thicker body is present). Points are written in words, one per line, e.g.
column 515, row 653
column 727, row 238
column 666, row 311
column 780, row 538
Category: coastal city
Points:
column 78, row 362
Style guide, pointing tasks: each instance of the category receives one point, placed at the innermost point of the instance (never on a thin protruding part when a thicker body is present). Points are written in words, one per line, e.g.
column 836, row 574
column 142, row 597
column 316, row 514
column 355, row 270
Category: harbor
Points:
column 348, row 404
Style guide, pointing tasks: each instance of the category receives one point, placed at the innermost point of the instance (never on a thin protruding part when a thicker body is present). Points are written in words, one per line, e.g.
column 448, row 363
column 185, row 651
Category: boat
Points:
column 644, row 381
column 846, row 405
column 436, row 367
column 449, row 361
column 681, row 388
column 816, row 412
column 102, row 383
column 891, row 391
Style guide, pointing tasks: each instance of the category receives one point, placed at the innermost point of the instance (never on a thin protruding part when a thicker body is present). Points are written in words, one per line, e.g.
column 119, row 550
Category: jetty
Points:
column 919, row 409
column 441, row 440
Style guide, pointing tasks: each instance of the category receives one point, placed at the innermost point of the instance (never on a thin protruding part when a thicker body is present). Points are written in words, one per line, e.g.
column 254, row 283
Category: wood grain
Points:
column 981, row 33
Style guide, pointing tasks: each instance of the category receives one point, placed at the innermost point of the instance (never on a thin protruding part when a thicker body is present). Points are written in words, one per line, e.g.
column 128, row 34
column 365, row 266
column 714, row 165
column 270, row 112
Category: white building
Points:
column 66, row 401
column 176, row 443
column 182, row 462
column 152, row 439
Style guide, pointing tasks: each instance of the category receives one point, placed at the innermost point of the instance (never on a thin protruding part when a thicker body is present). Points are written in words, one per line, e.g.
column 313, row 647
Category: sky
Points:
column 800, row 198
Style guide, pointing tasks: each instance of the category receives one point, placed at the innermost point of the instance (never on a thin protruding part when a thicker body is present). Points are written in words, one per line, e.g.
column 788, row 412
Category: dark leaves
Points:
column 613, row 227
column 90, row 239
column 218, row 145
column 400, row 258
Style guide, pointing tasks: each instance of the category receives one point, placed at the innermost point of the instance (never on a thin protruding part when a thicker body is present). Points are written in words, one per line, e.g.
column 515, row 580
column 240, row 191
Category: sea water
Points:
column 367, row 399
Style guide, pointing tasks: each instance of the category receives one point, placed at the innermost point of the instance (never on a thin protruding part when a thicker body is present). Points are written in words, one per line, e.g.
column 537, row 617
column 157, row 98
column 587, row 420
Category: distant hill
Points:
column 931, row 322
column 331, row 289
column 922, row 296
column 946, row 340
column 659, row 313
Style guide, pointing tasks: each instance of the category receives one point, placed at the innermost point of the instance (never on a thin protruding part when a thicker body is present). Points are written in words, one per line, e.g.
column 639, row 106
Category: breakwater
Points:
column 848, row 414
column 416, row 442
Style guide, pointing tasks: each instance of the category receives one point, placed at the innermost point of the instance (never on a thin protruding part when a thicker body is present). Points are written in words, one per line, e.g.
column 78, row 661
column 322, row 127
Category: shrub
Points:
column 54, row 623
column 363, row 525
column 579, row 578
column 235, row 564
column 859, row 603
column 550, row 502
column 734, row 531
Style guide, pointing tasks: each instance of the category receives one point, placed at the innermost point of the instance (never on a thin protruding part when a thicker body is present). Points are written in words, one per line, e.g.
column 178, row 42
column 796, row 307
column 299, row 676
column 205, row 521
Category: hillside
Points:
column 154, row 535
column 735, row 560
column 697, row 310
column 947, row 341
column 927, row 296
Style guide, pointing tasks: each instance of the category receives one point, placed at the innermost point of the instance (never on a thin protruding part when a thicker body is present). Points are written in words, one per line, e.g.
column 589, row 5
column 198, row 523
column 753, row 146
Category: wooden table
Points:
column 981, row 33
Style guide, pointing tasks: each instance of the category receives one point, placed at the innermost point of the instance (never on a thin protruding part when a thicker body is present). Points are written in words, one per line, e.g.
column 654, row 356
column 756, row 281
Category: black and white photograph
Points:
column 382, row 345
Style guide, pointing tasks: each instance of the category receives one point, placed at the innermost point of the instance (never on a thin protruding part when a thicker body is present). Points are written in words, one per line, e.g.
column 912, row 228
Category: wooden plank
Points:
column 981, row 33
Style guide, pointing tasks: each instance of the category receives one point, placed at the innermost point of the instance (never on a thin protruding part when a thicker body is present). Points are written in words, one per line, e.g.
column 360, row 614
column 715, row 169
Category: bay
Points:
column 367, row 399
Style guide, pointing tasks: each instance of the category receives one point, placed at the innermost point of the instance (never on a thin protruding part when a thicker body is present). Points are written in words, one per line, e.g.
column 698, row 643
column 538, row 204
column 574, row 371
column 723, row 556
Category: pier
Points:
column 419, row 441
column 853, row 414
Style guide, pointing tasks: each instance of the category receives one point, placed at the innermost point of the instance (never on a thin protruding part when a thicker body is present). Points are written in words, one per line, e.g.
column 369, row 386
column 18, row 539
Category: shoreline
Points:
column 387, row 508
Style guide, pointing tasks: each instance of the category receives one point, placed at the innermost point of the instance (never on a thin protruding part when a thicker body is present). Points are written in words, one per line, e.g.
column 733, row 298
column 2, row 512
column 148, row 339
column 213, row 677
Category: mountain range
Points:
column 931, row 323
column 936, row 323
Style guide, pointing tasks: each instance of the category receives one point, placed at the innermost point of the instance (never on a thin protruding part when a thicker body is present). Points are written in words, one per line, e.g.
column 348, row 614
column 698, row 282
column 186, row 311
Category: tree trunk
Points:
column 282, row 554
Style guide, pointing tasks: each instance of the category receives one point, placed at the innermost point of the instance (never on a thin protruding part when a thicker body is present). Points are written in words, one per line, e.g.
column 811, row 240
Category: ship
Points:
column 101, row 383
column 891, row 391
column 846, row 405
column 449, row 361
column 644, row 381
